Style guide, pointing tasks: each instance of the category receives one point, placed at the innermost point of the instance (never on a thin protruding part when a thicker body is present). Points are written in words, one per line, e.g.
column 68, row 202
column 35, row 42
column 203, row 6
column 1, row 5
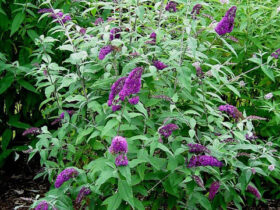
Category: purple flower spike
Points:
column 198, row 181
column 118, row 145
column 159, row 65
column 83, row 192
column 167, row 130
column 198, row 148
column 115, row 33
column 251, row 138
column 196, row 10
column 134, row 100
column 43, row 205
column 65, row 175
column 227, row 23
column 214, row 189
column 83, row 31
column 204, row 160
column 153, row 35
column 115, row 89
column 105, row 51
column 132, row 84
column 171, row 6
column 121, row 160
column 32, row 130
column 98, row 21
column 231, row 110
column 45, row 10
column 254, row 191
column 116, row 107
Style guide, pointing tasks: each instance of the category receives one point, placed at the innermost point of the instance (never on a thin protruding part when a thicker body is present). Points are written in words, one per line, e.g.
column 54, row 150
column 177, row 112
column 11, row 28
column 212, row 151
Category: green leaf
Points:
column 185, row 77
column 233, row 89
column 109, row 126
column 104, row 176
column 125, row 171
column 32, row 34
column 164, row 148
column 138, row 204
column 13, row 121
column 27, row 85
column 17, row 22
column 83, row 134
column 113, row 202
column 229, row 47
column 141, row 109
column 140, row 11
column 268, row 72
column 126, row 192
column 6, row 138
column 6, row 82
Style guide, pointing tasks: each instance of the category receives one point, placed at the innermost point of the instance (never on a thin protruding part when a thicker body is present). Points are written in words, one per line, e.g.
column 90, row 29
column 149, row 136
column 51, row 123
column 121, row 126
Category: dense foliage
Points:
column 155, row 104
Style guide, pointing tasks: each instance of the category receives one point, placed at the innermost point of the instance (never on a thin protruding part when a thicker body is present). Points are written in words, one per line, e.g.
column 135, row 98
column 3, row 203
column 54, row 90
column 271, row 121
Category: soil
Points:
column 18, row 189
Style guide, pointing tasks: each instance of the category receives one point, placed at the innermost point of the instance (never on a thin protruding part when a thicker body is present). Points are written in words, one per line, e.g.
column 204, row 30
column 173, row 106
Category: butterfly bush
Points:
column 227, row 23
column 43, row 205
column 118, row 145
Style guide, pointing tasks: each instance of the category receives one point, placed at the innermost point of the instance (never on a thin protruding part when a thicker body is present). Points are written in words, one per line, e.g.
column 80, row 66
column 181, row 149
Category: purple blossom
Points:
column 254, row 191
column 60, row 16
column 132, row 84
column 163, row 97
column 196, row 10
column 197, row 148
column 268, row 96
column 45, row 10
column 134, row 54
column 167, row 130
column 134, row 100
column 98, row 21
column 118, row 145
column 64, row 176
column 121, row 160
column 116, row 107
column 83, row 192
column 214, row 189
column 227, row 23
column 276, row 54
column 254, row 117
column 70, row 112
column 253, row 170
column 115, row 89
column 171, row 6
column 153, row 35
column 43, row 205
column 153, row 42
column 105, row 51
column 32, row 130
column 271, row 167
column 198, row 181
column 251, row 137
column 83, row 31
column 115, row 33
column 159, row 65
column 109, row 19
column 199, row 72
column 230, row 110
column 204, row 160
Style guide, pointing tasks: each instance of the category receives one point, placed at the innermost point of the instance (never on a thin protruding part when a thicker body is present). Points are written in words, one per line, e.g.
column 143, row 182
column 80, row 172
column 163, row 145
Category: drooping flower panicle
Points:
column 65, row 175
column 198, row 181
column 32, row 130
column 204, row 160
column 104, row 51
column 115, row 89
column 115, row 34
column 254, row 191
column 196, row 10
column 214, row 189
column 83, row 192
column 132, row 84
column 227, row 23
column 231, row 110
column 171, row 6
column 159, row 65
column 118, row 145
column 134, row 100
column 167, row 130
column 121, row 160
column 43, row 205
column 198, row 148
column 276, row 54
column 98, row 21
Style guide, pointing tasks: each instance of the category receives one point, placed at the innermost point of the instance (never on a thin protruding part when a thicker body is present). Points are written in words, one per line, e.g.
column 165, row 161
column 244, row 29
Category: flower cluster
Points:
column 61, row 117
column 204, row 160
column 199, row 72
column 105, row 51
column 83, row 192
column 98, row 21
column 276, row 54
column 171, row 6
column 227, row 23
column 198, row 181
column 119, row 147
column 56, row 15
column 224, row 1
column 83, row 31
column 43, row 205
column 115, row 33
column 134, row 100
column 196, row 10
column 198, row 148
column 32, row 130
column 65, row 175
column 251, row 137
column 231, row 110
column 167, row 130
column 159, row 65
column 254, row 191
column 132, row 83
column 163, row 97
column 228, row 140
column 214, row 189
column 268, row 96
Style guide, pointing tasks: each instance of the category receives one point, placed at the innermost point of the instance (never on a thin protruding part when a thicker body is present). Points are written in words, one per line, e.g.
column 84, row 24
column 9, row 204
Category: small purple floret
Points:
column 198, row 148
column 98, row 21
column 83, row 192
column 254, row 191
column 134, row 100
column 230, row 110
column 115, row 33
column 204, row 160
column 32, row 130
column 118, row 145
column 171, row 6
column 121, row 160
column 214, row 189
column 159, row 65
column 43, row 205
column 105, row 51
column 227, row 23
column 167, row 130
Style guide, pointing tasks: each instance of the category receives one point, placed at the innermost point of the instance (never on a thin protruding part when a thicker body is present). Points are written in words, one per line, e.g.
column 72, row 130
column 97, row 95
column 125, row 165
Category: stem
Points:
column 134, row 27
column 121, row 118
column 160, row 12
column 120, row 22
